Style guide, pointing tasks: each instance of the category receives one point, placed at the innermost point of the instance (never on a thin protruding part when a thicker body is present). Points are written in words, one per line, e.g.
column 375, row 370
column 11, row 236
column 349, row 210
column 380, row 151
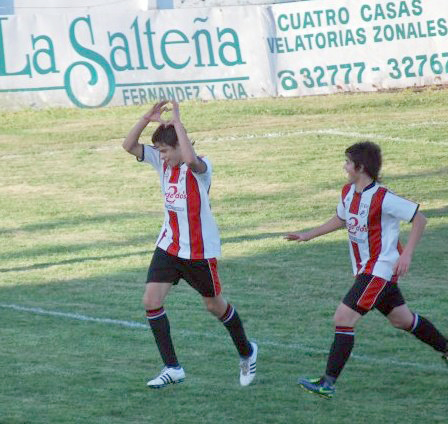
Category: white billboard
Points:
column 294, row 49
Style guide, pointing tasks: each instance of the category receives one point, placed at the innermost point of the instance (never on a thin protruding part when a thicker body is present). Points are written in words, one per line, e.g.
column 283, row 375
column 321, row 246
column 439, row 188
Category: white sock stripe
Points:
column 230, row 316
column 415, row 323
column 156, row 316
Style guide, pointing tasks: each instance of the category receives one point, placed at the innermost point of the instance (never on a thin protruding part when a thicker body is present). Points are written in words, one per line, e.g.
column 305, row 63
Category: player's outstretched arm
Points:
column 131, row 144
column 404, row 261
column 189, row 156
column 332, row 224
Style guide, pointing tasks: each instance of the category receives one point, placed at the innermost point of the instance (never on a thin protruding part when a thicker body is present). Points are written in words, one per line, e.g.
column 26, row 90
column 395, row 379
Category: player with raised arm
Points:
column 372, row 214
column 189, row 240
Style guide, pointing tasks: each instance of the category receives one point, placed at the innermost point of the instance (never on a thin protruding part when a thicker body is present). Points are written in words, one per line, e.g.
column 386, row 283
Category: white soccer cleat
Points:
column 168, row 375
column 248, row 366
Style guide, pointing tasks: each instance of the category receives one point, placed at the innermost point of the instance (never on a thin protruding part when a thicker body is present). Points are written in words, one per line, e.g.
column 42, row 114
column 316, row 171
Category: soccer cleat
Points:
column 319, row 386
column 248, row 366
column 168, row 375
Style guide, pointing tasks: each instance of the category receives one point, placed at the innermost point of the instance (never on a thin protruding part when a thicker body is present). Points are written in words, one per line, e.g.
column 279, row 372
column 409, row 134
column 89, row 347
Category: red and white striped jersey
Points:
column 189, row 230
column 373, row 220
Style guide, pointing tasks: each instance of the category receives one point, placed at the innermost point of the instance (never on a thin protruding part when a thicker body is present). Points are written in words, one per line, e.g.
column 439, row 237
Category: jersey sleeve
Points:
column 399, row 207
column 340, row 210
column 205, row 177
column 151, row 155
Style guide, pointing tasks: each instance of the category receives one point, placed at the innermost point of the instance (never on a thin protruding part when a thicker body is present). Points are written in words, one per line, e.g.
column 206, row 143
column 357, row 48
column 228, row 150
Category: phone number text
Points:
column 349, row 73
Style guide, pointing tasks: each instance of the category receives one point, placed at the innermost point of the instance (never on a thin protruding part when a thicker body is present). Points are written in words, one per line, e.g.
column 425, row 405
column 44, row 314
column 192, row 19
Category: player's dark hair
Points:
column 368, row 155
column 165, row 135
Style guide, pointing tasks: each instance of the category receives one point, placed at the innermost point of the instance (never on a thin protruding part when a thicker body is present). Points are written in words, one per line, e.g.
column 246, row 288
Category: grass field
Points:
column 79, row 218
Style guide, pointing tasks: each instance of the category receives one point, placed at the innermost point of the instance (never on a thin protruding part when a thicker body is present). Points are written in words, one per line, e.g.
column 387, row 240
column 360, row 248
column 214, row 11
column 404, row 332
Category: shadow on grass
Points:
column 78, row 220
column 73, row 261
column 69, row 249
column 436, row 213
column 311, row 265
column 274, row 275
column 149, row 241
column 252, row 237
column 234, row 272
column 286, row 296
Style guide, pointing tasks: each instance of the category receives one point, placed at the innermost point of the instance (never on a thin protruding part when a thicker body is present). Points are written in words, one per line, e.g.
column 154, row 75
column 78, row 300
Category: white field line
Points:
column 427, row 124
column 187, row 333
column 330, row 131
column 276, row 134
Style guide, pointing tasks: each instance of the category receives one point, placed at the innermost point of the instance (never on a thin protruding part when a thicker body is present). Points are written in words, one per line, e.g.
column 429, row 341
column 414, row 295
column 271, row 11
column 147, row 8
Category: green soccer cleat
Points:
column 319, row 386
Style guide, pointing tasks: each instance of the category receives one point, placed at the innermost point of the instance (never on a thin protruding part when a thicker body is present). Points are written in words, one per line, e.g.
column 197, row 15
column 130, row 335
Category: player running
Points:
column 372, row 214
column 189, row 241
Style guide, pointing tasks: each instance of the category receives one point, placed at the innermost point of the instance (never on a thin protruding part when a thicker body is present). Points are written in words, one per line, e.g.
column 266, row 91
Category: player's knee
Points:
column 401, row 324
column 401, row 318
column 212, row 308
column 215, row 307
column 151, row 301
column 340, row 318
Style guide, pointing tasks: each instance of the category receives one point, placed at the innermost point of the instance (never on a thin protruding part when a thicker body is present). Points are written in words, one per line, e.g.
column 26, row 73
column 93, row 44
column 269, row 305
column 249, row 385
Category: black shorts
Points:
column 369, row 292
column 201, row 274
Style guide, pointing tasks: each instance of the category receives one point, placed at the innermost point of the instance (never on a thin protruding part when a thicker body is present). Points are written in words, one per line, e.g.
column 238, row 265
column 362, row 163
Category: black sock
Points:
column 344, row 340
column 425, row 331
column 232, row 322
column 160, row 326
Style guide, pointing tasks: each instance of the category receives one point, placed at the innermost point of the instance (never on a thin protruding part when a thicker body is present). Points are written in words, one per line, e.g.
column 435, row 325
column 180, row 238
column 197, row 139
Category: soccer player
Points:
column 372, row 214
column 188, row 243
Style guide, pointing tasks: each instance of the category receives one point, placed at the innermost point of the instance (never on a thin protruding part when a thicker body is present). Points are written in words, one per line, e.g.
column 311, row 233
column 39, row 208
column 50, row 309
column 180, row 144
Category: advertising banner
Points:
column 324, row 47
column 293, row 49
column 101, row 60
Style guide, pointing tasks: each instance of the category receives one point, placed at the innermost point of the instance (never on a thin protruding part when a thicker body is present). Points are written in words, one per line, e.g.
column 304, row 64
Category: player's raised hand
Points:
column 155, row 113
column 297, row 237
column 176, row 113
